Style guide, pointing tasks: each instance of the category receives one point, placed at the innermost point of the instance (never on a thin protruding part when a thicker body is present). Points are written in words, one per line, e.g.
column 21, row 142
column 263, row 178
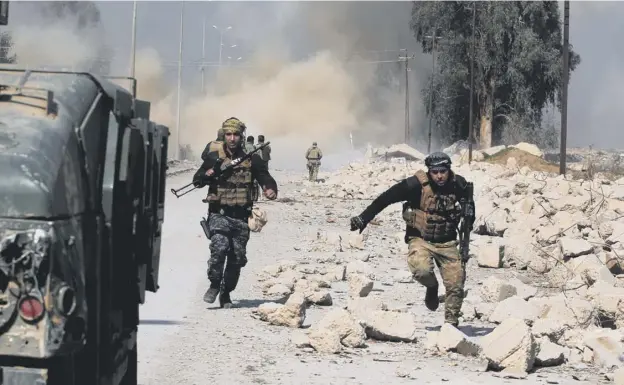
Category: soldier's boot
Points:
column 432, row 301
column 224, row 300
column 211, row 295
column 213, row 291
column 230, row 281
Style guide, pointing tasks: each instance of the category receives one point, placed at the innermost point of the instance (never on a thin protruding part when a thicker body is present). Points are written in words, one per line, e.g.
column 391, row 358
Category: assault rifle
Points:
column 219, row 170
column 467, row 219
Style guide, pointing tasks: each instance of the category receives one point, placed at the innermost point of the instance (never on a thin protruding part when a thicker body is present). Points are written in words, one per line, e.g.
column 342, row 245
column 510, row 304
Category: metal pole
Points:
column 472, row 60
column 407, row 123
column 133, row 47
column 564, row 90
column 407, row 127
column 433, row 48
column 220, row 46
column 178, row 126
column 203, row 70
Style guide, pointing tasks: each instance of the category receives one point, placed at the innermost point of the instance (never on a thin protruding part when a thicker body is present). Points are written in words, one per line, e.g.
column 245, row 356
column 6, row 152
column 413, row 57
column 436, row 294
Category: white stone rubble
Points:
column 558, row 241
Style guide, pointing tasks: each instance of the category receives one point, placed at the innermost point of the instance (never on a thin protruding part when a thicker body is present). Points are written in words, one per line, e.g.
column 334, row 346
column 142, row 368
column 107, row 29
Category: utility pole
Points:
column 203, row 70
column 221, row 40
column 434, row 39
column 472, row 60
column 406, row 59
column 133, row 46
column 564, row 90
column 178, row 126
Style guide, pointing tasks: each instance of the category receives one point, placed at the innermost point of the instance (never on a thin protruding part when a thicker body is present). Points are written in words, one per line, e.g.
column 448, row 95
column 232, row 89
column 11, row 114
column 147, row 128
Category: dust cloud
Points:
column 291, row 103
column 58, row 36
column 308, row 79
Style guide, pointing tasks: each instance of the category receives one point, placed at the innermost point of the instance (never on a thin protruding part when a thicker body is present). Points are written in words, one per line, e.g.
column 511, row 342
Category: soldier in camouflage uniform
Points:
column 230, row 204
column 432, row 218
column 249, row 143
column 314, row 155
column 265, row 153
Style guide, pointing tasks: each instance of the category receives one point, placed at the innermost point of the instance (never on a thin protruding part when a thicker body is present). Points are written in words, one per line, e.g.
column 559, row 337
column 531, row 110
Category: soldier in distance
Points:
column 432, row 215
column 220, row 138
column 249, row 143
column 265, row 153
column 230, row 205
column 313, row 155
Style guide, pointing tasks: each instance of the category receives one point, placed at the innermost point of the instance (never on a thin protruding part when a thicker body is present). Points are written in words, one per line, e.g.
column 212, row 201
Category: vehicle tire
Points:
column 62, row 371
column 132, row 372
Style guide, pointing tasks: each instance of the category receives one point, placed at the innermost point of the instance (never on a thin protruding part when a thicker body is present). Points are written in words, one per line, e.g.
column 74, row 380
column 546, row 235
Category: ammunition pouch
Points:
column 236, row 212
column 432, row 227
column 257, row 220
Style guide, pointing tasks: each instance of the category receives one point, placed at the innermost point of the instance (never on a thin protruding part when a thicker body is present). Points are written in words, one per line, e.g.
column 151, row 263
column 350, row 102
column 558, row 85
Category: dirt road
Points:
column 184, row 341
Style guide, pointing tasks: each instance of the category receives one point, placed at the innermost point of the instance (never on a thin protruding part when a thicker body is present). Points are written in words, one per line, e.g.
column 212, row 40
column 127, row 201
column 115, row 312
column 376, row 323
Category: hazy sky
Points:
column 596, row 95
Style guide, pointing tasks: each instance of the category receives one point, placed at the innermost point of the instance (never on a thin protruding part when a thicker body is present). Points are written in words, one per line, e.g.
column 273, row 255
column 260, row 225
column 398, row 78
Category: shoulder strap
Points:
column 422, row 178
column 426, row 187
column 221, row 151
column 215, row 146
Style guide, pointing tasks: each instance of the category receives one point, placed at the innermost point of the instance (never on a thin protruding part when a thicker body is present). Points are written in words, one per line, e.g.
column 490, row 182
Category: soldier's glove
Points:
column 201, row 181
column 357, row 224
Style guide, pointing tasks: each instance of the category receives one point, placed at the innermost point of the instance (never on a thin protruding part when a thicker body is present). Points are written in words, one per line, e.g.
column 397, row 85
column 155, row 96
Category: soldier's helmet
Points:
column 438, row 161
column 260, row 138
column 250, row 139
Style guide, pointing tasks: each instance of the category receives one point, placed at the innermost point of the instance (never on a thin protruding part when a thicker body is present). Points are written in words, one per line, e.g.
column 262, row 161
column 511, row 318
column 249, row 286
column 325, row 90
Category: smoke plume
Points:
column 59, row 35
column 310, row 77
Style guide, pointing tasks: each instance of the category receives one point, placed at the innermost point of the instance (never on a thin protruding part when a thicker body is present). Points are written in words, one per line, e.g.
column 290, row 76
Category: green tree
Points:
column 518, row 65
column 6, row 43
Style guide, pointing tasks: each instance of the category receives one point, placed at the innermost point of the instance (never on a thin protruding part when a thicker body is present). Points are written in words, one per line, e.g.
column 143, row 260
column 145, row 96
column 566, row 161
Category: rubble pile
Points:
column 583, row 159
column 567, row 235
column 295, row 285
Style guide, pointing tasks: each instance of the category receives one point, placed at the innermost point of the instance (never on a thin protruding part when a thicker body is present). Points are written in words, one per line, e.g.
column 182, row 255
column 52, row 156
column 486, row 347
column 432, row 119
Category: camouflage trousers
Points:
column 228, row 242
column 313, row 168
column 420, row 258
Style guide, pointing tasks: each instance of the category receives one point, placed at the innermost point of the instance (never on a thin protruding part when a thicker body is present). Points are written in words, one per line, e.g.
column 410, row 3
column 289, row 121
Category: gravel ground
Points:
column 182, row 340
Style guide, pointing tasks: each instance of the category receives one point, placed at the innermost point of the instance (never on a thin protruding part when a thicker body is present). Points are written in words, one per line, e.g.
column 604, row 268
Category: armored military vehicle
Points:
column 82, row 192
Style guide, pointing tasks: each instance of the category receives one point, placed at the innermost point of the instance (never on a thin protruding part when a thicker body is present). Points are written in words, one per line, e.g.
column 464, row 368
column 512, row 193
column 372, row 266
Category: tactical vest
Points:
column 437, row 217
column 234, row 190
column 313, row 154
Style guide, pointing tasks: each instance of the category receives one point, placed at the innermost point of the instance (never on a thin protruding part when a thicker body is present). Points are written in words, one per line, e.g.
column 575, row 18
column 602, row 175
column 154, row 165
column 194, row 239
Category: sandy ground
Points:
column 182, row 340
